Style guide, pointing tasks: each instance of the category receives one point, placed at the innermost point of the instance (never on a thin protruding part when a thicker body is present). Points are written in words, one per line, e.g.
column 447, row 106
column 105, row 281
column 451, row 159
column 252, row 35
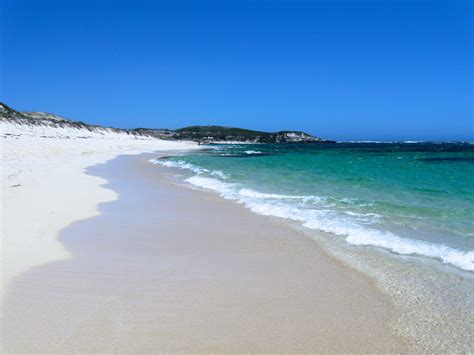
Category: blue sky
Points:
column 372, row 69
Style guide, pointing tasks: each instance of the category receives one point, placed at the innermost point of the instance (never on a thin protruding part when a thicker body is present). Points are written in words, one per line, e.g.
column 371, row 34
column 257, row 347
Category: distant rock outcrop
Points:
column 201, row 134
column 215, row 134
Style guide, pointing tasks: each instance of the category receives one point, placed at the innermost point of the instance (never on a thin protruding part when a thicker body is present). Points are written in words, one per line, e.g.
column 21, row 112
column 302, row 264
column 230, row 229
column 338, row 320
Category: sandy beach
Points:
column 243, row 177
column 45, row 188
column 157, row 267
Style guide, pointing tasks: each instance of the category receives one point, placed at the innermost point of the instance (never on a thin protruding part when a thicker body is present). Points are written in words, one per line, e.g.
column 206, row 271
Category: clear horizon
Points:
column 341, row 70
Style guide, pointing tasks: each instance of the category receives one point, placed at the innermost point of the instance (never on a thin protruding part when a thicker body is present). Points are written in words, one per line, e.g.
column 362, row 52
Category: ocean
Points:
column 407, row 198
column 403, row 213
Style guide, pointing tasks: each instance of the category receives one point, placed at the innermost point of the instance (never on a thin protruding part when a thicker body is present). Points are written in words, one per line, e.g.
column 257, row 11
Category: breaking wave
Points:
column 313, row 213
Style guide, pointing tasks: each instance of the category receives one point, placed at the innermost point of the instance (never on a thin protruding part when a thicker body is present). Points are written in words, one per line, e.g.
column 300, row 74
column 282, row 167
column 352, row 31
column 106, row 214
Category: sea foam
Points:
column 187, row 166
column 316, row 216
column 179, row 164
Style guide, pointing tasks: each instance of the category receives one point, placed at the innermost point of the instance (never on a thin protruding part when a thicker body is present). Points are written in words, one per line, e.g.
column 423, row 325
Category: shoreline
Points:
column 45, row 188
column 234, row 281
column 433, row 300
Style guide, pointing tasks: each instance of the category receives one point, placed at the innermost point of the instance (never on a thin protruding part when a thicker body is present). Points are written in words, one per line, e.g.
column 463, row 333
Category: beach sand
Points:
column 45, row 188
column 165, row 268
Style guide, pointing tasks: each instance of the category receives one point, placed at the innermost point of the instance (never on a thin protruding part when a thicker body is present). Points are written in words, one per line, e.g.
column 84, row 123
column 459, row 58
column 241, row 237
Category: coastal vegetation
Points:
column 200, row 134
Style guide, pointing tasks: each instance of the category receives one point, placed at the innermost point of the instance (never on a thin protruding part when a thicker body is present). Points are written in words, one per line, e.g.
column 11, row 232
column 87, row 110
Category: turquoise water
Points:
column 411, row 199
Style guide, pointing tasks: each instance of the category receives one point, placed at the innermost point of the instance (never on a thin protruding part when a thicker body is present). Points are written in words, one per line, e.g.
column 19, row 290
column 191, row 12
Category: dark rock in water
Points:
column 200, row 134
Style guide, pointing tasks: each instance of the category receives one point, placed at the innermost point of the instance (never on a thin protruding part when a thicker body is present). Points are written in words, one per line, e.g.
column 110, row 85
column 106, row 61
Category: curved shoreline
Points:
column 433, row 300
column 45, row 188
column 165, row 268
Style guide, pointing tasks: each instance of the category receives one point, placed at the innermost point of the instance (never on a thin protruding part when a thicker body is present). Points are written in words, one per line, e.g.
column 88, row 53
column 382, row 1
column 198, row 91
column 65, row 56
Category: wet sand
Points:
column 168, row 269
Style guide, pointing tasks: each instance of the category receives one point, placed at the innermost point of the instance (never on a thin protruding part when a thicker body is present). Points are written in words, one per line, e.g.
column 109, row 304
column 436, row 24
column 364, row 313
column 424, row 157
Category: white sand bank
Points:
column 45, row 188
